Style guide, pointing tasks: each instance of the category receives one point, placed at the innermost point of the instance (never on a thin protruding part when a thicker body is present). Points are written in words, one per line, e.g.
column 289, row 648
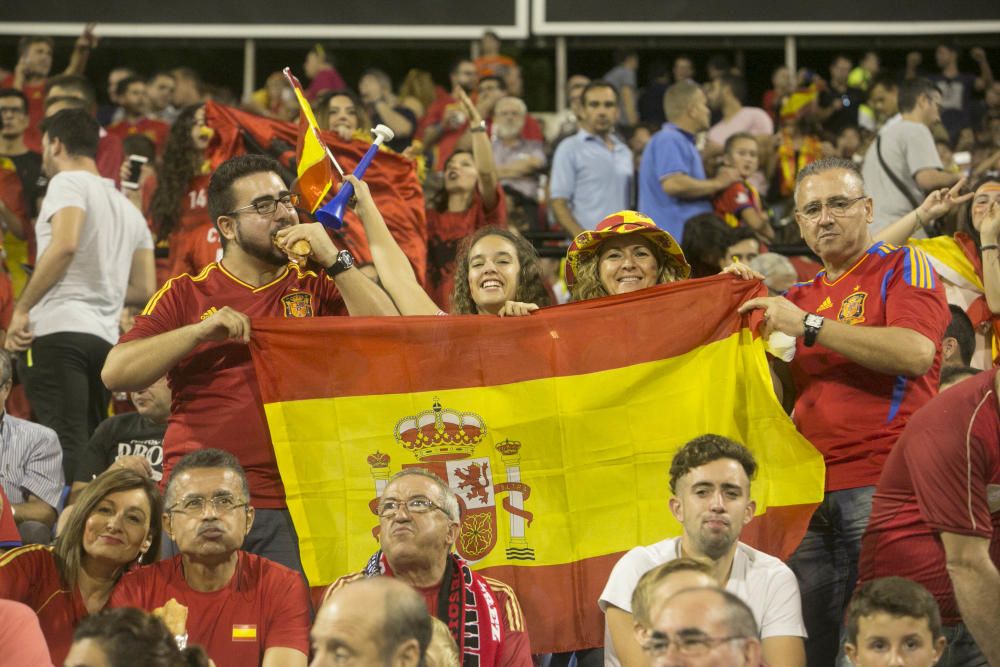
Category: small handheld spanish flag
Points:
column 313, row 158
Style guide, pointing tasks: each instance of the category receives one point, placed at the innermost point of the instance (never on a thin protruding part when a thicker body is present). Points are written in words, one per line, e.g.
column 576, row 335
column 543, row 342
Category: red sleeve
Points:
column 163, row 313
column 288, row 617
column 127, row 593
column 516, row 649
column 734, row 199
column 914, row 297
column 532, row 129
column 21, row 572
column 495, row 216
column 949, row 477
column 10, row 537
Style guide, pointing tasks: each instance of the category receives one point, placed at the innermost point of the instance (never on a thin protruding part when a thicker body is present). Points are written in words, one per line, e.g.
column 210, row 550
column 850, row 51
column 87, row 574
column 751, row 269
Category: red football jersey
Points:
column 36, row 111
column 216, row 400
column 195, row 242
column 854, row 415
column 156, row 130
column 942, row 476
column 29, row 575
column 265, row 605
column 10, row 537
column 734, row 200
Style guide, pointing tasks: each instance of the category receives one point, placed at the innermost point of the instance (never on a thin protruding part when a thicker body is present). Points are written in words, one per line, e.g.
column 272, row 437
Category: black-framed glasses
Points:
column 269, row 205
column 689, row 646
column 17, row 111
column 837, row 206
column 416, row 505
column 195, row 505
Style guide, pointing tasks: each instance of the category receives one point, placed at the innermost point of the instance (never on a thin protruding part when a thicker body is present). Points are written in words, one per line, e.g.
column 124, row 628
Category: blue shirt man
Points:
column 672, row 183
column 592, row 171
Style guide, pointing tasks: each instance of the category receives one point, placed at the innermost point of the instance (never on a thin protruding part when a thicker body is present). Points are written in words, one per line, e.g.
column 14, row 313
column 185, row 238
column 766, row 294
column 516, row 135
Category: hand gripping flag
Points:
column 556, row 432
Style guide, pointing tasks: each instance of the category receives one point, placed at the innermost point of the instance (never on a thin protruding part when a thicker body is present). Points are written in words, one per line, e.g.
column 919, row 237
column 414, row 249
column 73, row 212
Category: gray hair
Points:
column 827, row 164
column 449, row 501
column 773, row 265
column 517, row 101
column 207, row 458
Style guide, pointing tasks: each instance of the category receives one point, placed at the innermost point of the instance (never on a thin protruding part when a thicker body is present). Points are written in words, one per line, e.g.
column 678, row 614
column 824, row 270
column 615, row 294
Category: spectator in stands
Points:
column 883, row 98
column 877, row 350
column 378, row 621
column 30, row 468
column 419, row 519
column 179, row 206
column 672, row 182
column 160, row 93
column 569, row 120
column 75, row 92
column 34, row 62
column 623, row 78
column 490, row 61
column 446, row 120
column 519, row 161
column 861, row 77
column 894, row 621
column 115, row 525
column 902, row 164
column 592, row 171
column 131, row 440
column 710, row 496
column 705, row 244
column 471, row 198
column 497, row 271
column 95, row 255
column 704, row 626
column 129, row 638
column 319, row 68
column 797, row 146
column 21, row 638
column 781, row 87
column 208, row 515
column 489, row 91
column 931, row 519
column 384, row 108
column 957, row 87
column 201, row 320
column 112, row 112
column 136, row 119
column 417, row 92
column 740, row 204
column 727, row 94
column 959, row 342
column 21, row 186
column 341, row 112
column 779, row 273
column 188, row 87
column 838, row 101
column 952, row 375
column 848, row 144
column 683, row 69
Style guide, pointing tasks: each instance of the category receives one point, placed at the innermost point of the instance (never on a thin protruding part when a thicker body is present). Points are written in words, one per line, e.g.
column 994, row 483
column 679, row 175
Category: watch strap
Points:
column 812, row 324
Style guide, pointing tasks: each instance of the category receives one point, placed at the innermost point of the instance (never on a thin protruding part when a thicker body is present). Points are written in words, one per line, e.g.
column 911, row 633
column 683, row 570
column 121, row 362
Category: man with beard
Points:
column 134, row 102
column 195, row 330
column 710, row 482
column 518, row 160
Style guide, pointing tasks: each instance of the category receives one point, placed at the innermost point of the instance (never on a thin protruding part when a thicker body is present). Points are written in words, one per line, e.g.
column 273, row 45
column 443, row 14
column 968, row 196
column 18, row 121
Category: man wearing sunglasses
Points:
column 418, row 525
column 241, row 608
column 196, row 328
column 869, row 329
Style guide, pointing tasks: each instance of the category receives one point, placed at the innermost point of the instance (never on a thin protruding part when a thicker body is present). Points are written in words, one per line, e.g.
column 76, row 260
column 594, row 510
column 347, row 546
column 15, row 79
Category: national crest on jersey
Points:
column 297, row 304
column 852, row 309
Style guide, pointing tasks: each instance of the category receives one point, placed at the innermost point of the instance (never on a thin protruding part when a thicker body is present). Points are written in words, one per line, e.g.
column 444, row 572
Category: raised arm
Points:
column 937, row 204
column 989, row 234
column 482, row 151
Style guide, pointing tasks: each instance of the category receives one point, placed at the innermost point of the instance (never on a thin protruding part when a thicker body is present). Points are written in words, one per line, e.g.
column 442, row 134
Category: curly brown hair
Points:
column 530, row 286
column 181, row 162
column 588, row 283
column 707, row 448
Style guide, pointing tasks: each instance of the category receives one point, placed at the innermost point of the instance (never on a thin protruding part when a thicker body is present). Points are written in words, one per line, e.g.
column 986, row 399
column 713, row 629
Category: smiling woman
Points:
column 114, row 525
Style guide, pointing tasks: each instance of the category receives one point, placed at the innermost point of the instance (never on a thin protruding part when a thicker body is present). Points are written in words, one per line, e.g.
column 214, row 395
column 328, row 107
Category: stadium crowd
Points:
column 867, row 201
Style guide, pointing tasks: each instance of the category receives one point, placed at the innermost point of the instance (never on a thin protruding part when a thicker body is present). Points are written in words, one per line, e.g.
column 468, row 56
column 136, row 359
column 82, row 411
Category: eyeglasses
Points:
column 418, row 505
column 837, row 206
column 269, row 205
column 195, row 505
column 691, row 646
column 17, row 111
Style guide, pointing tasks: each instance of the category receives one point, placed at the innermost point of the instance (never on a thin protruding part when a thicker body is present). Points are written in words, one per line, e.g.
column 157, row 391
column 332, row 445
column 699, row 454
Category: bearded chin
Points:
column 715, row 547
column 268, row 253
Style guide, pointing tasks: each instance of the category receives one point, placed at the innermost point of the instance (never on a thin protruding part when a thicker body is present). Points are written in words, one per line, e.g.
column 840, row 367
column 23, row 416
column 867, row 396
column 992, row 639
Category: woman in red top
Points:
column 471, row 198
column 179, row 209
column 114, row 524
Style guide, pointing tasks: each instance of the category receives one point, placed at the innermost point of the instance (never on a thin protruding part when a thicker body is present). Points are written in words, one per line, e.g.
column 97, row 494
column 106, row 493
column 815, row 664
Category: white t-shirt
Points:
column 767, row 585
column 89, row 297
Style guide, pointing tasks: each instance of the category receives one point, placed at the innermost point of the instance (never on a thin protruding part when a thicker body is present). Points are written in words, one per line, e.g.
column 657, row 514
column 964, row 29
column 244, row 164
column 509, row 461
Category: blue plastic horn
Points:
column 331, row 215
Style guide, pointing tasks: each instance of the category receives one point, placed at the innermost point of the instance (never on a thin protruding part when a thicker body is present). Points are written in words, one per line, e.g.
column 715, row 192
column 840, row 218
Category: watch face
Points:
column 346, row 258
column 813, row 320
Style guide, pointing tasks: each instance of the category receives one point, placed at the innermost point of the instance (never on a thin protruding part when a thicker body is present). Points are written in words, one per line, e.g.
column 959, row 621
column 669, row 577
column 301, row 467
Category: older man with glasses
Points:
column 418, row 525
column 195, row 330
column 243, row 609
column 869, row 329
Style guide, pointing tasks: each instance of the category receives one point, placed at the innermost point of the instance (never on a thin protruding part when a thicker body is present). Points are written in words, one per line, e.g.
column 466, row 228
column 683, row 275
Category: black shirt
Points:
column 122, row 435
column 29, row 170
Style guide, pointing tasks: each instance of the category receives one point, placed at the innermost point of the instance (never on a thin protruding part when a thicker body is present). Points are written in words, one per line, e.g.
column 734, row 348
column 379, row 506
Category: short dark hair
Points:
column 74, row 82
column 220, row 187
column 886, row 80
column 158, row 73
column 733, row 138
column 737, row 84
column 70, row 102
column 594, row 85
column 705, row 449
column 895, row 596
column 912, row 89
column 960, row 328
column 207, row 458
column 950, row 373
column 25, row 43
column 76, row 129
column 621, row 55
column 133, row 638
column 458, row 62
column 500, row 82
column 124, row 84
column 139, row 144
column 14, row 92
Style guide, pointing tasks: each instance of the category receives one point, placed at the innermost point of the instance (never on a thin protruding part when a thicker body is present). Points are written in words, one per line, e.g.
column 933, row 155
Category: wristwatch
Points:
column 813, row 323
column 478, row 128
column 345, row 260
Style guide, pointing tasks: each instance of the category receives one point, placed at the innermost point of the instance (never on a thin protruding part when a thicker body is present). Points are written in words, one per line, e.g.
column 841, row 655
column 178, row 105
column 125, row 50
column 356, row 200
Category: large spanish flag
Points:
column 555, row 430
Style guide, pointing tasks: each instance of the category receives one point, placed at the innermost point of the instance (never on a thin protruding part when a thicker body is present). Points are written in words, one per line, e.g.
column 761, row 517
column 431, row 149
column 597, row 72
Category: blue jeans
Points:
column 826, row 565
